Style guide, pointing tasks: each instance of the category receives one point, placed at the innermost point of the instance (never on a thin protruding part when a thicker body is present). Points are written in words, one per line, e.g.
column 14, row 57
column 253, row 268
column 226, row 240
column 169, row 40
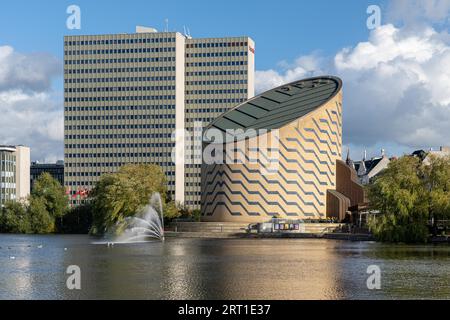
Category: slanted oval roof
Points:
column 280, row 106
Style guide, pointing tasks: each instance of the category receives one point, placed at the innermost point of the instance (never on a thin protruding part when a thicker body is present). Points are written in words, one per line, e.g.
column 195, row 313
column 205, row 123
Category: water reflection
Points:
column 219, row 269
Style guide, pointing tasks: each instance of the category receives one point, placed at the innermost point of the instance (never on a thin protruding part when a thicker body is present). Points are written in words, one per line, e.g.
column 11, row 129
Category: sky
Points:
column 396, row 76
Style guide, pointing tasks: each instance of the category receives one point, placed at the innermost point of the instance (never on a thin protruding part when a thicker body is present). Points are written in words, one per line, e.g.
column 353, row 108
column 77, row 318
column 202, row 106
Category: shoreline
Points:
column 319, row 236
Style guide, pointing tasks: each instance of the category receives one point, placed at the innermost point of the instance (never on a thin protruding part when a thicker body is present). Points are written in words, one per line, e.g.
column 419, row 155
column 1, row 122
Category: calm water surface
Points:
column 219, row 269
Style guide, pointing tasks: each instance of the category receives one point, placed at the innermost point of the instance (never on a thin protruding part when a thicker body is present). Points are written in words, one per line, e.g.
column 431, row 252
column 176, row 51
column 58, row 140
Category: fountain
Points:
column 144, row 227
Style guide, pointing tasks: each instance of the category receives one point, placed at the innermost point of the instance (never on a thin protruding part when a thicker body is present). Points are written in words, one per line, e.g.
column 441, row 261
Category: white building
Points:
column 14, row 173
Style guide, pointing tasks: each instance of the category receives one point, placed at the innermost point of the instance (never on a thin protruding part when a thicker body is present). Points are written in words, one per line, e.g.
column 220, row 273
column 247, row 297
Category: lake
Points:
column 34, row 267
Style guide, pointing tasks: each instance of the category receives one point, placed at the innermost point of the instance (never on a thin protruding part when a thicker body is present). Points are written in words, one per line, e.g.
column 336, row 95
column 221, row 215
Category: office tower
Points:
column 14, row 173
column 125, row 95
column 219, row 76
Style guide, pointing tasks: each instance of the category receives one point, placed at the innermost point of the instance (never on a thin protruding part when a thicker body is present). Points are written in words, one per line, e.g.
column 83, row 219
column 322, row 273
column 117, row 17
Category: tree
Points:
column 124, row 193
column 408, row 194
column 40, row 220
column 436, row 179
column 52, row 193
column 14, row 218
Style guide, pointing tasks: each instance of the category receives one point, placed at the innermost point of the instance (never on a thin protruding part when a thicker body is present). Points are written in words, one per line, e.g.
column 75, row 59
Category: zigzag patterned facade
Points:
column 293, row 177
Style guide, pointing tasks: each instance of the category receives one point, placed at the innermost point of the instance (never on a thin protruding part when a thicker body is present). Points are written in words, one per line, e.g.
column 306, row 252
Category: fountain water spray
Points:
column 149, row 225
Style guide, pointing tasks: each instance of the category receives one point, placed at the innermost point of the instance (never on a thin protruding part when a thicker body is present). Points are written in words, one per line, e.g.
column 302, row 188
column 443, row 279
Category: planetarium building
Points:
column 279, row 156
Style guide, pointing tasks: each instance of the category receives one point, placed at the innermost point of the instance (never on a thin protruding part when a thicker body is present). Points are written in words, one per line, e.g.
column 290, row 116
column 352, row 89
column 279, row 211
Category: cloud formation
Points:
column 396, row 86
column 414, row 12
column 30, row 111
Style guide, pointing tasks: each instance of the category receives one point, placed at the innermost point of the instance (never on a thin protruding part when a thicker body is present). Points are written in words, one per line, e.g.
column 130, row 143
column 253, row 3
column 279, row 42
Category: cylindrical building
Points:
column 277, row 156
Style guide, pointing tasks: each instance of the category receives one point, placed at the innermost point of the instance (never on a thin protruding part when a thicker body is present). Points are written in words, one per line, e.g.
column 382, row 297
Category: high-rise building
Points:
column 14, row 173
column 126, row 94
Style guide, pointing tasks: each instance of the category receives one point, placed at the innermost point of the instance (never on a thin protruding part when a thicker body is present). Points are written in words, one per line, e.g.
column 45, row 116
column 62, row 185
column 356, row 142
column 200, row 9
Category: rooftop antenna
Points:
column 167, row 25
column 189, row 33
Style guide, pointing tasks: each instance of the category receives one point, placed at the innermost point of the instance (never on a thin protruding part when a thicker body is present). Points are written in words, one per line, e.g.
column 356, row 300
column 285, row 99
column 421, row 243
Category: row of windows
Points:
column 220, row 91
column 215, row 82
column 107, row 136
column 216, row 73
column 118, row 70
column 193, row 184
column 118, row 51
column 206, row 110
column 122, row 146
column 87, row 174
column 119, row 79
column 116, row 155
column 170, row 171
column 203, row 119
column 118, row 41
column 216, row 44
column 118, row 60
column 217, row 54
column 121, row 117
column 119, row 98
column 205, row 101
column 119, row 89
column 216, row 63
column 121, row 126
column 122, row 108
column 92, row 183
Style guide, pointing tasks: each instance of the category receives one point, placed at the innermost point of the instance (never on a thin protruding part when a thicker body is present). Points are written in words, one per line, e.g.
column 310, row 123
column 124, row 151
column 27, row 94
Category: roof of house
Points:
column 369, row 164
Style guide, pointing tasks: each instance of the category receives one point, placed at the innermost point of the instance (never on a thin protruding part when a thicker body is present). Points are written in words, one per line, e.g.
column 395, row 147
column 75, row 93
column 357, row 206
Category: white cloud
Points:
column 30, row 112
column 414, row 12
column 396, row 88
column 396, row 85
column 304, row 66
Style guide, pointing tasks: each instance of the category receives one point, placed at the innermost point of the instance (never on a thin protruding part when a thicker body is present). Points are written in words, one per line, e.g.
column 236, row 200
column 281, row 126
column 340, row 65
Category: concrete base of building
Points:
column 209, row 229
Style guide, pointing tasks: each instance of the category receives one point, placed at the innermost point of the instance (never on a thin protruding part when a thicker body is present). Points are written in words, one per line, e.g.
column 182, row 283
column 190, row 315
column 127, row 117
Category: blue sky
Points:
column 282, row 31
column 396, row 92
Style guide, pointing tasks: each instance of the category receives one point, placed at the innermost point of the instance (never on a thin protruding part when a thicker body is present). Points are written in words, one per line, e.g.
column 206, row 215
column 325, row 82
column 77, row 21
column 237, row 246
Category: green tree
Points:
column 436, row 180
column 14, row 218
column 40, row 220
column 408, row 194
column 124, row 193
column 52, row 193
